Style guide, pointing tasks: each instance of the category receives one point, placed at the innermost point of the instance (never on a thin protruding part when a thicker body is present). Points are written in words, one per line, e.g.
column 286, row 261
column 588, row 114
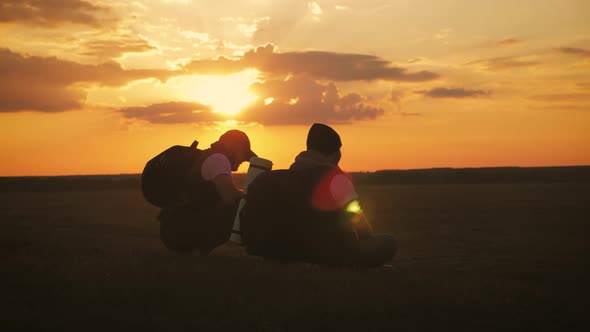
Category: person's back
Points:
column 279, row 221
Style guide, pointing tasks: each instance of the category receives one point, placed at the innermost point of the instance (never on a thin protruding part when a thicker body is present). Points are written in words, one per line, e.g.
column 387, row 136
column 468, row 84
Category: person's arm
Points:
column 362, row 226
column 217, row 169
column 345, row 195
column 227, row 190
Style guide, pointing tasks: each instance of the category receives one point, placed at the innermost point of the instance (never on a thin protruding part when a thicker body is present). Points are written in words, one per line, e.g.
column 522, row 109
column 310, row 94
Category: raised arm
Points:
column 227, row 189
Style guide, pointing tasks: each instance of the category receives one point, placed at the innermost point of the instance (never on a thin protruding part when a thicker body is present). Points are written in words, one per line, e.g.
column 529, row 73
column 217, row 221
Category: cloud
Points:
column 509, row 41
column 31, row 83
column 53, row 13
column 502, row 63
column 331, row 66
column 220, row 66
column 299, row 100
column 293, row 101
column 319, row 65
column 453, row 93
column 584, row 53
column 302, row 100
column 114, row 48
column 173, row 113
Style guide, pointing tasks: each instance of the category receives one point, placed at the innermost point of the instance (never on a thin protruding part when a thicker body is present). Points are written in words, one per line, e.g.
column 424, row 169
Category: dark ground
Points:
column 472, row 257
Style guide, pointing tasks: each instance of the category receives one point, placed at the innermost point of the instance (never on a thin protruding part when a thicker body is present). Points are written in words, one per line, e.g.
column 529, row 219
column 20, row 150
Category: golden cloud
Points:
column 53, row 13
column 173, row 113
column 503, row 63
column 32, row 83
column 114, row 48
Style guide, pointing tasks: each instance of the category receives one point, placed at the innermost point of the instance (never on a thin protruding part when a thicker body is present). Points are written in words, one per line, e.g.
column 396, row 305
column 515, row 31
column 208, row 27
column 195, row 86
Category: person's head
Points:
column 324, row 139
column 236, row 146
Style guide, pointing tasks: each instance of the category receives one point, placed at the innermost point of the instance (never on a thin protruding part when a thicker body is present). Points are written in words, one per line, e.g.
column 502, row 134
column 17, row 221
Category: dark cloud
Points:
column 584, row 53
column 453, row 93
column 302, row 100
column 114, row 48
column 31, row 83
column 54, row 12
column 173, row 113
column 509, row 41
column 319, row 65
column 331, row 66
column 502, row 63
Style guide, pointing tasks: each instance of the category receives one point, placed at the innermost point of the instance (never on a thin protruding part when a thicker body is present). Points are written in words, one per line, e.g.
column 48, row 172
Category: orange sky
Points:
column 100, row 87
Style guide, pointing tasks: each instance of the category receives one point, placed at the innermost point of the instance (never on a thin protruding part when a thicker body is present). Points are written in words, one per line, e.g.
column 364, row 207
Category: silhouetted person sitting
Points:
column 311, row 211
column 203, row 220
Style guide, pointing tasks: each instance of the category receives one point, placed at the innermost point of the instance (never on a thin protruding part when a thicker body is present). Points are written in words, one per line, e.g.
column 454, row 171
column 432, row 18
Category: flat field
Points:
column 472, row 257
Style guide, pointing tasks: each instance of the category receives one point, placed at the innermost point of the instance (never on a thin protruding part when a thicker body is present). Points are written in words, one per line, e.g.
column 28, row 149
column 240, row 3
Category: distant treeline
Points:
column 476, row 175
column 69, row 183
column 386, row 177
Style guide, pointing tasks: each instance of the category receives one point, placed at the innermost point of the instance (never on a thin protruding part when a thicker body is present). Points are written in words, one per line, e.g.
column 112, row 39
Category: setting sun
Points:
column 227, row 95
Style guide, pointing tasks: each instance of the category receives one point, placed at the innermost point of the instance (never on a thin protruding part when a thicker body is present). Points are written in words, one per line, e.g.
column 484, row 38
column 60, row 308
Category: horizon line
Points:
column 350, row 172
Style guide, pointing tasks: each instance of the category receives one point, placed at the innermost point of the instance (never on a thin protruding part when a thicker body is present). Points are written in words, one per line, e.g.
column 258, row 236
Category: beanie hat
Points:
column 323, row 138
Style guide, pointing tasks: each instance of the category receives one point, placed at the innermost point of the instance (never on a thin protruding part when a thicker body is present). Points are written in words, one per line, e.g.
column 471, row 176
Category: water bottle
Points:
column 257, row 167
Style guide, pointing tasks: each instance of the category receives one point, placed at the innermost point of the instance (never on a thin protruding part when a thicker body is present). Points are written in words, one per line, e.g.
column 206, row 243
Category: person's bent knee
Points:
column 377, row 250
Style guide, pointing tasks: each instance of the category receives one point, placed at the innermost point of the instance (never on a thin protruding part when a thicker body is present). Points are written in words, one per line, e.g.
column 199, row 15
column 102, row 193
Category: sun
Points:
column 227, row 95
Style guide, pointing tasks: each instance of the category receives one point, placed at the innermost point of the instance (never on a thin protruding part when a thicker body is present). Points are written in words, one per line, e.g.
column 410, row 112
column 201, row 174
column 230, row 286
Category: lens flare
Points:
column 354, row 207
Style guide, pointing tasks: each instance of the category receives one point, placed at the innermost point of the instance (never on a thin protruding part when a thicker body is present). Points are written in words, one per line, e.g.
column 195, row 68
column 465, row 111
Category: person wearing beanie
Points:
column 334, row 191
column 311, row 211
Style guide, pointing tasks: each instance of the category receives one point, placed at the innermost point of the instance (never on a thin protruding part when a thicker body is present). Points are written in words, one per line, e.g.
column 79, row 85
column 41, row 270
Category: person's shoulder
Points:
column 214, row 165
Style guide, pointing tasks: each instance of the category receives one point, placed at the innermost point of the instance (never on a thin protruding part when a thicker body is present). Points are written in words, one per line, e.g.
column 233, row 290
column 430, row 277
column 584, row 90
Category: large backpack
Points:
column 278, row 220
column 165, row 178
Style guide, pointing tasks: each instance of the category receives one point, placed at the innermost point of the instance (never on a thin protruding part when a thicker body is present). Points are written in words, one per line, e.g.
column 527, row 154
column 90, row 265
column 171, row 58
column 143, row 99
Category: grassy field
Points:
column 472, row 257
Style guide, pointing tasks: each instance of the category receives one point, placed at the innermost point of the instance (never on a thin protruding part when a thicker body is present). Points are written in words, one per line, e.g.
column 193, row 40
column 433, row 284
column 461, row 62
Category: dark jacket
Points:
column 199, row 220
column 280, row 221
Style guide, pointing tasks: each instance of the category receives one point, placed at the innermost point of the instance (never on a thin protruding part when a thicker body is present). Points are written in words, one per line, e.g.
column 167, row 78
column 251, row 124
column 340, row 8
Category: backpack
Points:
column 278, row 220
column 165, row 178
column 273, row 203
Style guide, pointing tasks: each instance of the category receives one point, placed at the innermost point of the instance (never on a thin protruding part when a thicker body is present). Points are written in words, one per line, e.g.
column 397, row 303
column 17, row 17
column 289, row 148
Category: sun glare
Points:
column 227, row 95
